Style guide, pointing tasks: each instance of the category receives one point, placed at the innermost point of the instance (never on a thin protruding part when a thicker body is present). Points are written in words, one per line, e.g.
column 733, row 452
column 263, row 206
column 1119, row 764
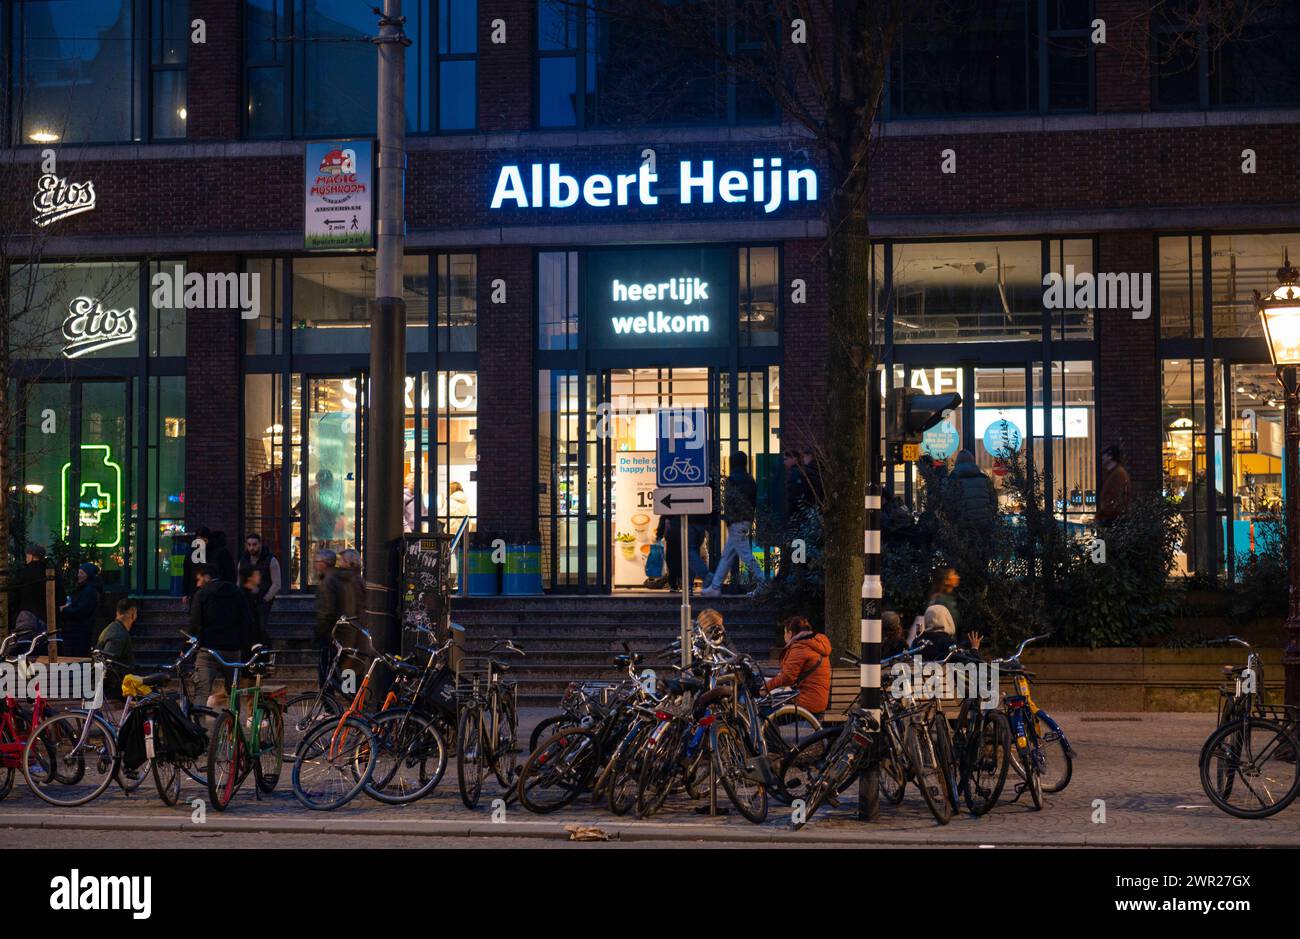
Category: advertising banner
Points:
column 634, row 518
column 338, row 192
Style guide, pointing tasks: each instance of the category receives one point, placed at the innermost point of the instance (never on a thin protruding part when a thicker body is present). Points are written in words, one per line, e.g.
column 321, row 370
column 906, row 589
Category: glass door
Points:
column 326, row 484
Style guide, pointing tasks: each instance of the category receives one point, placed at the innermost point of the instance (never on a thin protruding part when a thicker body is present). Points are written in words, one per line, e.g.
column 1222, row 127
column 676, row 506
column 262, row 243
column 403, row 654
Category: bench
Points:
column 845, row 685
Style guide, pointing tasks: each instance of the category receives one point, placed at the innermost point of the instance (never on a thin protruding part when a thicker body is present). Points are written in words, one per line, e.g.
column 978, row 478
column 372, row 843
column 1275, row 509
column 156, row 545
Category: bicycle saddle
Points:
column 500, row 667
column 406, row 667
column 622, row 661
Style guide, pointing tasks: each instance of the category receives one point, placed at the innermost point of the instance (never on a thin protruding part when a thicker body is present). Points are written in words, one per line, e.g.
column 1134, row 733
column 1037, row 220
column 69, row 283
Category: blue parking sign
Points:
column 682, row 452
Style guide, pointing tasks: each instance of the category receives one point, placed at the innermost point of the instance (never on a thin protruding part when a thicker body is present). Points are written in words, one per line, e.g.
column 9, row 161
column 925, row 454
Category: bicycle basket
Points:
column 1285, row 714
column 473, row 673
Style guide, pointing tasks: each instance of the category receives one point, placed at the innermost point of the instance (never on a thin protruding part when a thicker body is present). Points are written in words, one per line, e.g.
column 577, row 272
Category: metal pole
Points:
column 1291, row 469
column 686, row 593
column 385, row 400
column 872, row 606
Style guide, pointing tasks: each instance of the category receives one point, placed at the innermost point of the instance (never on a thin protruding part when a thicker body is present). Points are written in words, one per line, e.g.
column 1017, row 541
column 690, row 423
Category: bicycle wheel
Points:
column 270, row 747
column 893, row 773
column 547, row 727
column 625, row 778
column 410, row 757
column 6, row 780
column 226, row 758
column 783, row 731
column 63, row 769
column 733, row 754
column 1058, row 765
column 558, row 771
column 505, row 749
column 984, row 767
column 301, row 712
column 335, row 761
column 947, row 757
column 206, row 718
column 471, row 756
column 658, row 769
column 167, row 779
column 1250, row 769
column 927, row 772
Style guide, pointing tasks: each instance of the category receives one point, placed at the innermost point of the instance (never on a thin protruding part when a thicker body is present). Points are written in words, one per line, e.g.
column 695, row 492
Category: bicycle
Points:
column 16, row 722
column 486, row 726
column 233, row 751
column 1043, row 739
column 1249, row 765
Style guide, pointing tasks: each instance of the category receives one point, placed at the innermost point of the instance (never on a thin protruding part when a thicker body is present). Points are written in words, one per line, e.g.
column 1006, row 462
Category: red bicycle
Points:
column 16, row 721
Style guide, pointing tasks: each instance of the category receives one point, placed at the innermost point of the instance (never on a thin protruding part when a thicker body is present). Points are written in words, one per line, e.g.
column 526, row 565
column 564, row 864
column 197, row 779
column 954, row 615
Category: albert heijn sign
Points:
column 767, row 181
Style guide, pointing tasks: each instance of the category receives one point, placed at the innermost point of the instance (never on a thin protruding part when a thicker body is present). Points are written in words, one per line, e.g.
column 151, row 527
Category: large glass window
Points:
column 1181, row 302
column 1193, row 460
column 760, row 297
column 331, row 303
column 77, row 67
column 991, row 57
column 311, row 71
column 1236, row 54
column 968, row 291
column 1239, row 264
column 1258, row 436
column 454, row 475
column 457, row 302
column 600, row 68
column 557, row 300
column 165, row 469
column 166, row 323
column 75, row 311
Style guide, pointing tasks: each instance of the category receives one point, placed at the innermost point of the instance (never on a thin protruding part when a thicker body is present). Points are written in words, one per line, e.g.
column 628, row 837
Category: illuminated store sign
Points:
column 89, row 327
column 99, row 505
column 546, row 186
column 57, row 198
column 657, row 297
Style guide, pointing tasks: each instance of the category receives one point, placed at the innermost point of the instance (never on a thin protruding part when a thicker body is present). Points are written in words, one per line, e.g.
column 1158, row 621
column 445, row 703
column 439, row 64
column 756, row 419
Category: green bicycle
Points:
column 248, row 736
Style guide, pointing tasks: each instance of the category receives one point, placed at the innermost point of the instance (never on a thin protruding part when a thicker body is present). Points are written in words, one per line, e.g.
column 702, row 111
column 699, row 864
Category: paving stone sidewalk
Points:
column 1142, row 766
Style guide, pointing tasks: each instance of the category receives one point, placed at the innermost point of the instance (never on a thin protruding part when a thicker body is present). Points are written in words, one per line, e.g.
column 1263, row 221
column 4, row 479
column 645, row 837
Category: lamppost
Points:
column 1279, row 312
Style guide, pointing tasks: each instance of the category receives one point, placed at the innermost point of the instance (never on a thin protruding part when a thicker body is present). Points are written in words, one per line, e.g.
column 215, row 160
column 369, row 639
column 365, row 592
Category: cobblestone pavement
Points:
column 1142, row 766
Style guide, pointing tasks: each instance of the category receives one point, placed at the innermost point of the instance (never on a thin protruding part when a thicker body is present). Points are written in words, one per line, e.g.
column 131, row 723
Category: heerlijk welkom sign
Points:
column 656, row 297
column 767, row 182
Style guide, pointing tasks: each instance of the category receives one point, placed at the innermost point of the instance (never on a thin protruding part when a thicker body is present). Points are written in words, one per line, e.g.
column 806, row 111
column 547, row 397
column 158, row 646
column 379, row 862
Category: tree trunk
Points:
column 6, row 472
column 849, row 358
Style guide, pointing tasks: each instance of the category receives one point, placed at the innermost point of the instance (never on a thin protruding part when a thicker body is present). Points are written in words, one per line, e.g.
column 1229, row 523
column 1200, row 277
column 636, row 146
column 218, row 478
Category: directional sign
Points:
column 682, row 456
column 683, row 500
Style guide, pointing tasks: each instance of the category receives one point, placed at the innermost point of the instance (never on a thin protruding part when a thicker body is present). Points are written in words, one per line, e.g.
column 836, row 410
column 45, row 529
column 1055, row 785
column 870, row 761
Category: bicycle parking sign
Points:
column 682, row 452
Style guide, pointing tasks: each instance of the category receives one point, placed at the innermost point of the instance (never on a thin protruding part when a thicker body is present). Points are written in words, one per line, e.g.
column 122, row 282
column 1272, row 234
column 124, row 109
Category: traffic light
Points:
column 909, row 414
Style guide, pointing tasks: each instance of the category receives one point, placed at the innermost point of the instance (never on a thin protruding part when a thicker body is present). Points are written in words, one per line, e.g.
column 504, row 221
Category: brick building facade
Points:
column 1119, row 184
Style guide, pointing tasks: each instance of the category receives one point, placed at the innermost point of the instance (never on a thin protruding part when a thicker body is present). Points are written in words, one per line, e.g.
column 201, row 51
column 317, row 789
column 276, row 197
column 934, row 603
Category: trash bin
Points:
column 523, row 569
column 482, row 577
column 180, row 549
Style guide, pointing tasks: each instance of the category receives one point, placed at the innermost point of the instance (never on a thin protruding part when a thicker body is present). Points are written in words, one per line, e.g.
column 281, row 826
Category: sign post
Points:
column 682, row 472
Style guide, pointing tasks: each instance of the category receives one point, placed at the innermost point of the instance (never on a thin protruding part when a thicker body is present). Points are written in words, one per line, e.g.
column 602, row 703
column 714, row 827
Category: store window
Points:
column 992, row 57
column 331, row 303
column 760, row 296
column 76, row 65
column 166, row 323
column 75, row 311
column 47, row 446
column 454, row 474
column 264, row 441
column 457, row 302
column 310, row 71
column 1193, row 460
column 1073, row 438
column 1225, row 55
column 265, row 335
column 557, row 300
column 1258, row 436
column 1072, row 258
column 967, row 291
column 566, row 478
column 599, row 68
column 164, row 458
column 1240, row 265
column 1181, row 300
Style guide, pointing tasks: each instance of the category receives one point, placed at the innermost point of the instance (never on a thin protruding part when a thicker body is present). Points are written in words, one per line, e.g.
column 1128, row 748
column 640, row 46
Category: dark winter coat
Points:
column 221, row 617
column 977, row 499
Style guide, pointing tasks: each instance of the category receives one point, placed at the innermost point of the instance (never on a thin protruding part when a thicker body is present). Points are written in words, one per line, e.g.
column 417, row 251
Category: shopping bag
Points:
column 654, row 561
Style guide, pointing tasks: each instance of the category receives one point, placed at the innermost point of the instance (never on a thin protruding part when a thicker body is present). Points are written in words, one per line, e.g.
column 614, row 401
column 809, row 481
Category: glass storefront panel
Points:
column 560, row 482
column 455, row 478
column 1072, row 257
column 974, row 291
column 331, row 429
column 331, row 303
column 166, row 324
column 1181, row 303
column 1074, row 440
column 47, row 447
column 1193, row 459
column 760, row 297
column 457, row 302
column 104, row 476
column 264, row 440
column 74, row 311
column 1002, row 426
column 165, row 457
column 1258, row 435
column 264, row 335
column 557, row 300
column 1240, row 265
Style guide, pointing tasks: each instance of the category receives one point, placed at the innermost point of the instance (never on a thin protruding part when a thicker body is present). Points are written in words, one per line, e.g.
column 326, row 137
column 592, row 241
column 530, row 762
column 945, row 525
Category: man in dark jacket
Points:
column 796, row 484
column 337, row 594
column 976, row 499
column 740, row 496
column 257, row 558
column 115, row 642
column 78, row 613
column 31, row 595
column 223, row 622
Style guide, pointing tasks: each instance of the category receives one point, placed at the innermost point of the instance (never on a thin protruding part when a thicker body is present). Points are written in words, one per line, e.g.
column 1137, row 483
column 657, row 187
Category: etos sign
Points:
column 653, row 298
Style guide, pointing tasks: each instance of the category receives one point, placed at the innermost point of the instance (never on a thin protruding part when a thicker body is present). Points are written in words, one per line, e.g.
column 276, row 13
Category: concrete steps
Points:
column 566, row 638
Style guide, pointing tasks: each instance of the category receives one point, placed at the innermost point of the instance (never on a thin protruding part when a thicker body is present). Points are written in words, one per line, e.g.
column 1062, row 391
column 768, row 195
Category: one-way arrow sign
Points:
column 683, row 500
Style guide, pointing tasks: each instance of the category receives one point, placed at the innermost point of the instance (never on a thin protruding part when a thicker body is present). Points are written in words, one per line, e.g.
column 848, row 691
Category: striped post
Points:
column 873, row 600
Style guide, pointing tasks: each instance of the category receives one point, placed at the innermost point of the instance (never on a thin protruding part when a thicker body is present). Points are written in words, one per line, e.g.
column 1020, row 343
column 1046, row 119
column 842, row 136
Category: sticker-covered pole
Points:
column 873, row 595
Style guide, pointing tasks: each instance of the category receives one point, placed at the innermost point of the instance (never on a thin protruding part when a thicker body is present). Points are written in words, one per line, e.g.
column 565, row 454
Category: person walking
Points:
column 115, row 642
column 805, row 665
column 813, row 474
column 78, row 614
column 222, row 620
column 31, row 596
column 1114, row 487
column 337, row 594
column 257, row 557
column 796, row 484
column 740, row 496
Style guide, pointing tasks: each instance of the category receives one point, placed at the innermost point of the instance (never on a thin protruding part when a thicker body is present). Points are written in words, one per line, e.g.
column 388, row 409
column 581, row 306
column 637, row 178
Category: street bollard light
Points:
column 1279, row 312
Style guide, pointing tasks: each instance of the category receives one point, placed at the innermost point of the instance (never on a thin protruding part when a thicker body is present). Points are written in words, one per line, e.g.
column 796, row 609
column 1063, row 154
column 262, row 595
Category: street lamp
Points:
column 1279, row 312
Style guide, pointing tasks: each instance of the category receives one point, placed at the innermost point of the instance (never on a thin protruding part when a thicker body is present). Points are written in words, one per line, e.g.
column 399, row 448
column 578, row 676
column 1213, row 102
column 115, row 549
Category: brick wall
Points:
column 505, row 70
column 212, row 97
column 803, row 368
column 1123, row 62
column 1128, row 378
column 507, row 407
column 212, row 410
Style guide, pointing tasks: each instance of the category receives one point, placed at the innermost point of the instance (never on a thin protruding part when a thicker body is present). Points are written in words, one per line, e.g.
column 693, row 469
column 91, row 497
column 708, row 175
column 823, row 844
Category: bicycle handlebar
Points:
column 260, row 652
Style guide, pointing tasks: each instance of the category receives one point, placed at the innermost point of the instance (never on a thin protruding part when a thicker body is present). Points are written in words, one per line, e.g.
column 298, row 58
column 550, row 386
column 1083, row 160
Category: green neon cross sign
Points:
column 100, row 497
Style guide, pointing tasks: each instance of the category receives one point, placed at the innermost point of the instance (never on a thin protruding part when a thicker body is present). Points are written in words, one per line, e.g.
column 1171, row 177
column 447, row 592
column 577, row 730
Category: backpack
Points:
column 654, row 562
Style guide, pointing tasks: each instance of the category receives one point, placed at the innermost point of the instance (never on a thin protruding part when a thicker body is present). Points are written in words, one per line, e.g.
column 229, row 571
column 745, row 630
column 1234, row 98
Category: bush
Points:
column 1262, row 587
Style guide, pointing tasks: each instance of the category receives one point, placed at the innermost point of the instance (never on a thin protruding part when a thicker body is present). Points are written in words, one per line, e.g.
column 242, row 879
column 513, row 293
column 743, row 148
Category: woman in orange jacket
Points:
column 806, row 665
